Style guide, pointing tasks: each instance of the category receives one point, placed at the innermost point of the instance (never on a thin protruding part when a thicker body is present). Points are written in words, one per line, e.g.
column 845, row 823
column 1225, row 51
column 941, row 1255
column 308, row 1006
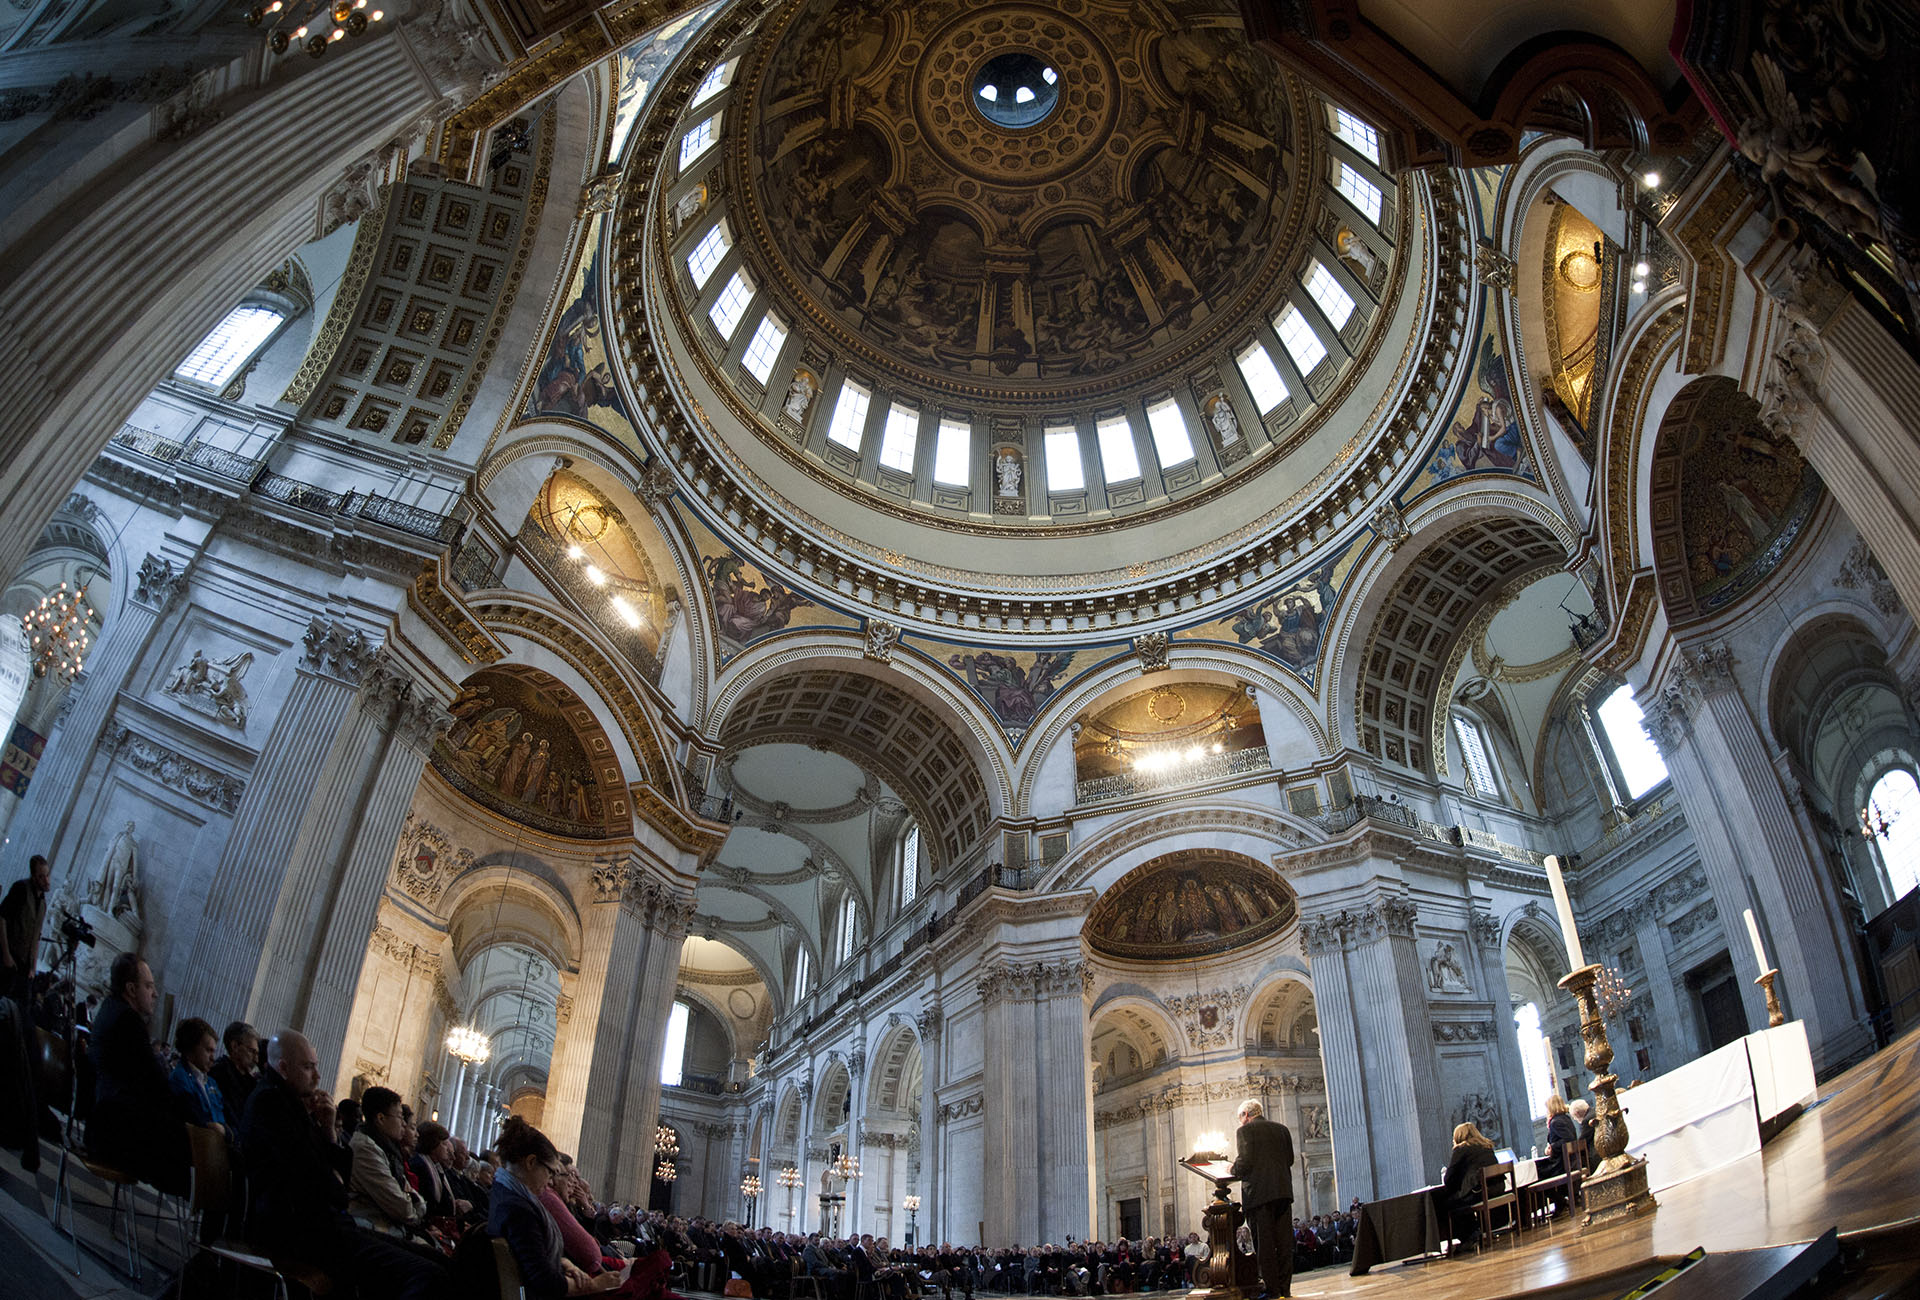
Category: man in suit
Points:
column 1264, row 1165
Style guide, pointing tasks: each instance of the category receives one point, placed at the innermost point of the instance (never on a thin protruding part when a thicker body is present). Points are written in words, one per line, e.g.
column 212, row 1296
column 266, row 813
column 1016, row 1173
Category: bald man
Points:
column 1264, row 1165
column 299, row 1202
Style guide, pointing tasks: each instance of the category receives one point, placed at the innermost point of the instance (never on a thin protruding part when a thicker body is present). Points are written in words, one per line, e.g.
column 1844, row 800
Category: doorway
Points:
column 1129, row 1211
column 1716, row 998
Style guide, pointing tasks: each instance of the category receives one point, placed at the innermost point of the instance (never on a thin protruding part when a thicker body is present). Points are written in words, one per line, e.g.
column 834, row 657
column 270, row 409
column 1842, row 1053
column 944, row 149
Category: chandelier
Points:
column 666, row 1142
column 1874, row 822
column 790, row 1177
column 750, row 1187
column 1613, row 994
column 912, row 1203
column 845, row 1168
column 348, row 18
column 665, row 1171
column 469, row 1045
column 56, row 631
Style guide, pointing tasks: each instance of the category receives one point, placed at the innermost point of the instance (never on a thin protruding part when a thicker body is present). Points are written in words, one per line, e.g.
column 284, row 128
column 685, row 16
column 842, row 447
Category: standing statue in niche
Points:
column 1006, row 473
column 114, row 888
column 1225, row 422
column 799, row 397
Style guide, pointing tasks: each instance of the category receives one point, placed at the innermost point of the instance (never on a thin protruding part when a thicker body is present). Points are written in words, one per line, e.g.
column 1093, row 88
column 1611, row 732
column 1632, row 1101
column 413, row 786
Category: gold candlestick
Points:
column 1618, row 1188
column 1775, row 1016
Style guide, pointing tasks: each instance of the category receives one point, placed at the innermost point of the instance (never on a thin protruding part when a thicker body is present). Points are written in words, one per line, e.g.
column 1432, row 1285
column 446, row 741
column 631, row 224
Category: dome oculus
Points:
column 1016, row 89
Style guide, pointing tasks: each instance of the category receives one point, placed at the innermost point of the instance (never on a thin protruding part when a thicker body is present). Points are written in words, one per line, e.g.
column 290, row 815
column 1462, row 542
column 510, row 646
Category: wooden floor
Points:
column 1852, row 1162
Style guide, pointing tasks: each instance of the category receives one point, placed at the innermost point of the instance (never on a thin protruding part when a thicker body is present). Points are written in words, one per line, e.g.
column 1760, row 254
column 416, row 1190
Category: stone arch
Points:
column 897, row 1074
column 1120, row 675
column 1130, row 1033
column 1280, row 1011
column 513, row 897
column 1416, row 610
column 832, row 1098
column 789, row 1117
column 1251, row 831
column 884, row 719
column 1188, row 904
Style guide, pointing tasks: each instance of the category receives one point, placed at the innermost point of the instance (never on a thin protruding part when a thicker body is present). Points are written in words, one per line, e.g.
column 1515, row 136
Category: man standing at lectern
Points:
column 1264, row 1165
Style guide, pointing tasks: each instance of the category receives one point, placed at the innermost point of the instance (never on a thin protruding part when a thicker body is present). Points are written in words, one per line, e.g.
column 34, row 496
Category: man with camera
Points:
column 22, row 913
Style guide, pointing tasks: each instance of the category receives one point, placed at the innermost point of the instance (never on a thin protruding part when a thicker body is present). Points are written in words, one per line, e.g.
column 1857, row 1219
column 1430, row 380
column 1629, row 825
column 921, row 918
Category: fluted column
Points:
column 1849, row 396
column 1037, row 1101
column 604, row 1097
column 1754, row 855
column 305, row 751
column 1386, row 1118
column 932, row 1026
column 58, row 782
column 1509, row 1070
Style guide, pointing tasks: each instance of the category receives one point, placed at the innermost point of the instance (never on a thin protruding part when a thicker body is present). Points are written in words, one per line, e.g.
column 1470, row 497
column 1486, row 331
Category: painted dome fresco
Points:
column 1058, row 268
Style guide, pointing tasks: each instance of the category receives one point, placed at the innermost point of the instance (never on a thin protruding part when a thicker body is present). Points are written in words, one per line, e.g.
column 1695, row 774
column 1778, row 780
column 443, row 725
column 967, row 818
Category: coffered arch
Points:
column 1416, row 611
column 897, row 1074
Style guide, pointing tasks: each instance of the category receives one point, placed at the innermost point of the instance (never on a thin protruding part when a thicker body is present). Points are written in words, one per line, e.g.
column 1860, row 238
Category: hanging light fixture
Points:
column 790, row 1177
column 665, row 1171
column 56, row 631
column 319, row 24
column 666, row 1143
column 469, row 1045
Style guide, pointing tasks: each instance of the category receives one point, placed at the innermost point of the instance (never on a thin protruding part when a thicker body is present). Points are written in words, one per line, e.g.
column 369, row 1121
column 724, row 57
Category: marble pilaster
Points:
column 1037, row 1099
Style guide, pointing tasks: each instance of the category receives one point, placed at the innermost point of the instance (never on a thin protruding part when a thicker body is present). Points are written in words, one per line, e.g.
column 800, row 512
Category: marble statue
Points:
column 1006, row 472
column 114, row 887
column 213, row 686
column 799, row 396
column 1225, row 422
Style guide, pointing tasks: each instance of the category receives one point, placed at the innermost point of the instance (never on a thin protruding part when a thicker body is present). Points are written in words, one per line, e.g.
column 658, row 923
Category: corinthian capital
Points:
column 1792, row 391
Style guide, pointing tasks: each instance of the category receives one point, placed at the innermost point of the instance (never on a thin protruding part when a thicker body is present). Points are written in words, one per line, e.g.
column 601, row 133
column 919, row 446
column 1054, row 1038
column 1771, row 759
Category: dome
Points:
column 1020, row 270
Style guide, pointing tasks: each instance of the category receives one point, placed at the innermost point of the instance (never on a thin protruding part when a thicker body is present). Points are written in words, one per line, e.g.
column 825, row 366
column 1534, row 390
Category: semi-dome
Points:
column 1017, row 269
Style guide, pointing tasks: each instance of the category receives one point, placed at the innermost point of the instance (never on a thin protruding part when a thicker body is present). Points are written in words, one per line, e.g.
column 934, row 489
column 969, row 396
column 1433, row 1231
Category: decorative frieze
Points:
column 390, row 944
column 1470, row 1031
column 965, row 1108
column 176, row 771
column 1390, row 526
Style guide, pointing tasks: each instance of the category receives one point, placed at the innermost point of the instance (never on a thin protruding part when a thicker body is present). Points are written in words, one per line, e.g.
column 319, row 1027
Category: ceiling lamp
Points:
column 665, row 1171
column 790, row 1177
column 666, row 1143
column 56, row 631
column 469, row 1045
column 323, row 22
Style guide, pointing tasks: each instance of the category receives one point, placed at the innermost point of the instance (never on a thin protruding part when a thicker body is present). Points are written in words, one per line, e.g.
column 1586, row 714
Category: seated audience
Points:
column 518, row 1216
column 1460, row 1189
column 200, row 1099
column 379, row 1197
column 430, row 1165
column 234, row 1073
column 1561, row 1129
column 135, row 1124
column 297, row 1199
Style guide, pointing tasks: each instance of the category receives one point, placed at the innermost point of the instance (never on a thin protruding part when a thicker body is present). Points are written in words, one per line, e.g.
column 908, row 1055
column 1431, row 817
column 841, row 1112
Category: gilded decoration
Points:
column 1167, row 719
column 1188, row 905
column 1743, row 496
column 638, row 69
column 1574, row 284
column 1149, row 205
column 1289, row 625
column 597, row 540
column 1015, row 685
column 524, row 745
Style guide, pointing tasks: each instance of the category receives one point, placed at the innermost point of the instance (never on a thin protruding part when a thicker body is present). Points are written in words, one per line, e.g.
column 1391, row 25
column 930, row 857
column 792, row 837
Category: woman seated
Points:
column 1561, row 1129
column 1460, row 1190
column 519, row 1214
column 379, row 1197
column 432, row 1160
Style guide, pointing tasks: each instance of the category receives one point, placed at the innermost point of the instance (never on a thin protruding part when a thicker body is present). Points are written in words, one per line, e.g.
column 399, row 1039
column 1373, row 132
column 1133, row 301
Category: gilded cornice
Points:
column 1631, row 397
column 441, row 609
column 1700, row 232
column 689, row 833
column 346, row 301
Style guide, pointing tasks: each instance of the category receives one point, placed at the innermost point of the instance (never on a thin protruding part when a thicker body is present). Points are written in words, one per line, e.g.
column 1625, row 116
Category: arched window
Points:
column 1536, row 1058
column 233, row 343
column 1477, row 756
column 1895, row 802
column 1634, row 758
column 802, row 973
column 910, row 868
column 673, row 1055
column 849, row 918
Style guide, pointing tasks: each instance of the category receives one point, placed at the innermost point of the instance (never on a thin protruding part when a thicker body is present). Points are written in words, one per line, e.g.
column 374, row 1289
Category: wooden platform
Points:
column 1852, row 1163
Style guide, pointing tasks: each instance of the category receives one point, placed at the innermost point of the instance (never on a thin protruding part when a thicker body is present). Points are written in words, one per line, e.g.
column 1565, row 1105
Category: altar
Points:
column 1719, row 1108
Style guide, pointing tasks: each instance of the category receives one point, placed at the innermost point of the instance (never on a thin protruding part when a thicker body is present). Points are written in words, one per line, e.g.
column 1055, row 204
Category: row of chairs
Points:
column 1505, row 1206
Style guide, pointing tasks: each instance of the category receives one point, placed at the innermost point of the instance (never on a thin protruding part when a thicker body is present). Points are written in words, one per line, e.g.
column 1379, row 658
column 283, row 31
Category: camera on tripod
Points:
column 75, row 930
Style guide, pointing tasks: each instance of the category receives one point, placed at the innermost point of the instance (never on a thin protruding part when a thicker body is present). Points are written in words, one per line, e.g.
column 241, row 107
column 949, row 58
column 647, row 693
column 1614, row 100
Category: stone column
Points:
column 339, row 867
column 1849, row 396
column 1754, row 855
column 1490, row 970
column 932, row 1026
column 1037, row 1100
column 1382, row 1084
column 58, row 783
column 605, row 1097
column 1667, row 1018
column 305, row 751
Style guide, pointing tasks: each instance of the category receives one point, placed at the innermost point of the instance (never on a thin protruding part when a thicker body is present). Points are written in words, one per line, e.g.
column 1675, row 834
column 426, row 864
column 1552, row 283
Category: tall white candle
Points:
column 1565, row 908
column 1753, row 932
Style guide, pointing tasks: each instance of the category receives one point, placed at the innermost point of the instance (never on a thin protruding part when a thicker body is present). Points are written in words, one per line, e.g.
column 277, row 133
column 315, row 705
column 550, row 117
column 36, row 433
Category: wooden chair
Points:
column 1574, row 1157
column 1497, row 1192
column 807, row 1280
column 507, row 1270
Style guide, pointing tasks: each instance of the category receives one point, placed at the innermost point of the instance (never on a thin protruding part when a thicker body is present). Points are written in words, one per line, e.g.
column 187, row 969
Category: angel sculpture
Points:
column 1786, row 144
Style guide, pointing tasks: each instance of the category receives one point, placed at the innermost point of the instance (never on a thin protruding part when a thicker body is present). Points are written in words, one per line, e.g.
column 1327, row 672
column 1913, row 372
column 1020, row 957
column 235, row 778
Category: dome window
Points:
column 1016, row 89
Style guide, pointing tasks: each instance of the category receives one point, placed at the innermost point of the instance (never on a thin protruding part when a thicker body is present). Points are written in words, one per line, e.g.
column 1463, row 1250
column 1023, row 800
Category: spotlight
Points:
column 1651, row 180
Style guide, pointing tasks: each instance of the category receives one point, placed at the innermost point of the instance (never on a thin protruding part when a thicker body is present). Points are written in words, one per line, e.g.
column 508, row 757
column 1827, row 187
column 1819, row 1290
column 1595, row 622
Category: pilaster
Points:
column 1037, row 1099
